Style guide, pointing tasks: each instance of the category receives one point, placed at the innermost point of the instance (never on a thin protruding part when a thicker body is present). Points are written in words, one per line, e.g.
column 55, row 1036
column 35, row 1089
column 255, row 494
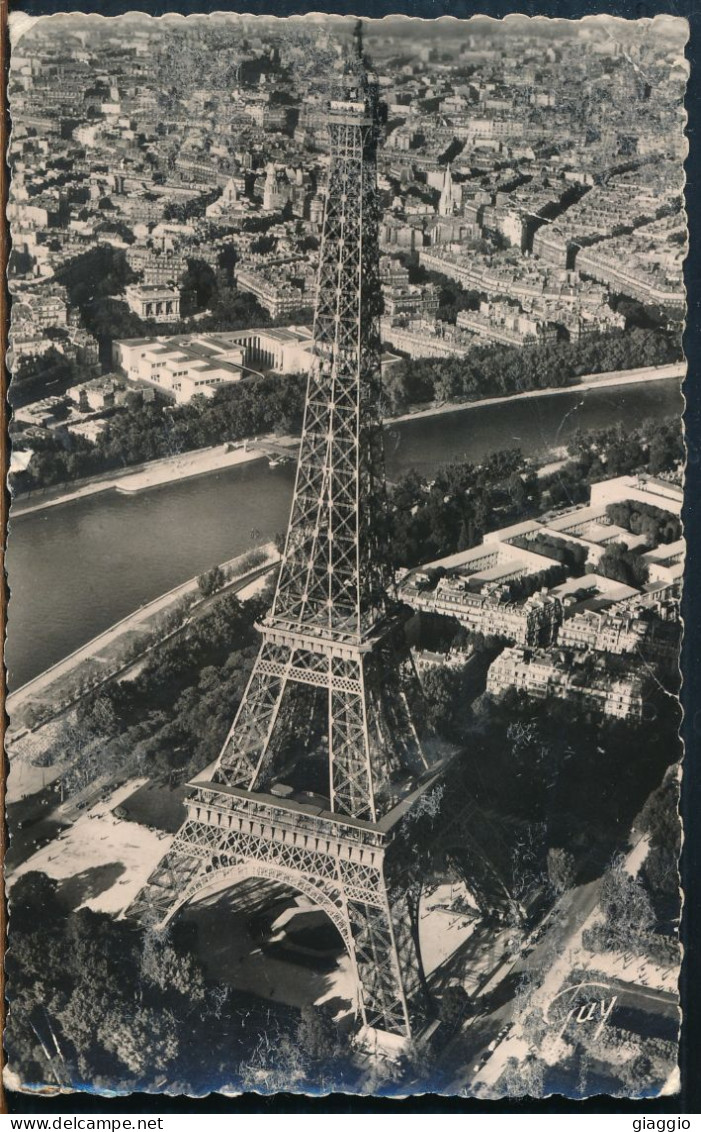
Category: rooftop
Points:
column 152, row 289
column 594, row 587
column 666, row 551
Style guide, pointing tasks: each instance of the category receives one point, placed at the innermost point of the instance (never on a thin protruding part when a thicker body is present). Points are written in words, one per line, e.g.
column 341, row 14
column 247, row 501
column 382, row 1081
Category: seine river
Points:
column 76, row 569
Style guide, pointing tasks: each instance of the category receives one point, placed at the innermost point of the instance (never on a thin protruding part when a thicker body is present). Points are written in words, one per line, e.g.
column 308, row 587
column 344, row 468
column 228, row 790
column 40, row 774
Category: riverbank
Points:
column 157, row 473
column 50, row 688
column 591, row 381
column 74, row 573
column 205, row 461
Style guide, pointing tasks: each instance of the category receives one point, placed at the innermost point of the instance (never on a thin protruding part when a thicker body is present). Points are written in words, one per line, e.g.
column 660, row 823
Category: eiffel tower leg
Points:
column 350, row 769
column 186, row 858
column 392, row 994
column 247, row 747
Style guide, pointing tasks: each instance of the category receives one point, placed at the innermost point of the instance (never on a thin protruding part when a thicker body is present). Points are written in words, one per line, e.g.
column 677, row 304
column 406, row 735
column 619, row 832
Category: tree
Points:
column 309, row 244
column 105, row 1003
column 465, row 539
column 623, row 565
column 641, row 518
column 510, row 370
column 182, row 211
column 523, row 1078
column 102, row 271
column 316, row 1034
column 173, row 971
column 517, row 490
column 211, row 581
column 147, row 1040
column 561, row 869
column 626, row 906
column 276, row 1064
column 227, row 260
column 198, row 287
column 439, row 686
column 659, row 818
column 263, row 245
column 455, row 1003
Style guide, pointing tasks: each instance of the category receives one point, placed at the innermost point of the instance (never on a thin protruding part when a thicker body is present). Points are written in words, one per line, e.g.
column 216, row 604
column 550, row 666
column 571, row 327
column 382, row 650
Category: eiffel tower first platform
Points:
column 327, row 701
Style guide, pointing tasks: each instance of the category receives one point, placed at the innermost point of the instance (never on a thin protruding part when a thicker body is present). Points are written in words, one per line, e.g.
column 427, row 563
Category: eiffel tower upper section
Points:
column 334, row 578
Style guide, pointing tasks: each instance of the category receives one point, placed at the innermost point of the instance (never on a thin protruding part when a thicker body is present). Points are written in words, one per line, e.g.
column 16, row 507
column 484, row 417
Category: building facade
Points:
column 153, row 302
column 182, row 366
column 532, row 622
column 542, row 674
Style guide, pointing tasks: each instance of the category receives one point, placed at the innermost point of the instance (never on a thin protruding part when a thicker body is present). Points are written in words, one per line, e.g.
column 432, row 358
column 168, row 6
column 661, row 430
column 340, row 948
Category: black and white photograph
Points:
column 345, row 555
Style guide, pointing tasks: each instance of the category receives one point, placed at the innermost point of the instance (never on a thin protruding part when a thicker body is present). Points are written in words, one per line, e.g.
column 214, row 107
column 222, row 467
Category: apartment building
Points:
column 557, row 674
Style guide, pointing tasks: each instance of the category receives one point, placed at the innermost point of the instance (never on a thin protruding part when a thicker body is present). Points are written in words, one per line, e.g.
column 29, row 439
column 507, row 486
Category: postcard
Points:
column 345, row 555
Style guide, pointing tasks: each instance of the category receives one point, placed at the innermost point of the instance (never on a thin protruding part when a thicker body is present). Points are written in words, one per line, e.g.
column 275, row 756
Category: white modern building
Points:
column 666, row 562
column 185, row 365
column 639, row 489
column 285, row 349
column 182, row 367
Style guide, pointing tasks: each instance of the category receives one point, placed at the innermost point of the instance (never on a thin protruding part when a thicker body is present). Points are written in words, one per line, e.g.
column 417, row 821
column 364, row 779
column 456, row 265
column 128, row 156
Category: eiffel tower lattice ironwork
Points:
column 328, row 689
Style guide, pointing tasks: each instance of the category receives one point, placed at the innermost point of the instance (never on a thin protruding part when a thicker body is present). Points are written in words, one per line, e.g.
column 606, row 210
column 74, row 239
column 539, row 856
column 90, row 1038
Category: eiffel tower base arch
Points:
column 231, row 835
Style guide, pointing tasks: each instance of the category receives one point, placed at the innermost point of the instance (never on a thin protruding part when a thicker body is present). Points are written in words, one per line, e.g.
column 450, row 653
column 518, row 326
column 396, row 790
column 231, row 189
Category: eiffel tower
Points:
column 327, row 702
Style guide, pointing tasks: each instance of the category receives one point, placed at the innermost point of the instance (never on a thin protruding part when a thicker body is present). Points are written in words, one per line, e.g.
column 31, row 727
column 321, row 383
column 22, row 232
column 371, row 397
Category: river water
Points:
column 76, row 569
